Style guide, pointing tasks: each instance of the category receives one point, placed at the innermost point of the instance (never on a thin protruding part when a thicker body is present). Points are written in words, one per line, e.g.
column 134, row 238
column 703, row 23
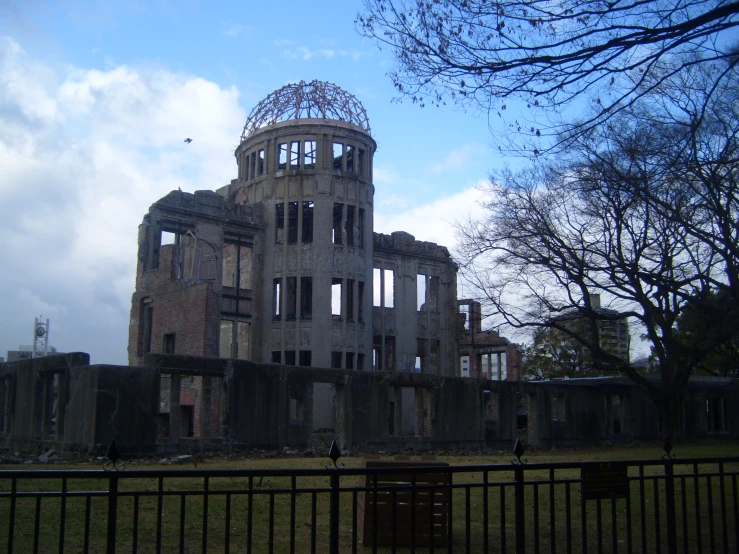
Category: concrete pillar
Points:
column 175, row 413
column 205, row 404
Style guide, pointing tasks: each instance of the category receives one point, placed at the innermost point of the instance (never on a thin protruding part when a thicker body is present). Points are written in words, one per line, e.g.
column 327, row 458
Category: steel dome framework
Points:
column 317, row 99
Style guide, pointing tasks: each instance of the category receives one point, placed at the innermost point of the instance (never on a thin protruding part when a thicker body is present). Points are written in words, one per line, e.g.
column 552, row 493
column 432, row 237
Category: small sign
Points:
column 605, row 480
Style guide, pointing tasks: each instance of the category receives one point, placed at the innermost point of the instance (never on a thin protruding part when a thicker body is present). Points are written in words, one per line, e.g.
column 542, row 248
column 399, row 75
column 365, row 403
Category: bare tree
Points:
column 644, row 211
column 544, row 53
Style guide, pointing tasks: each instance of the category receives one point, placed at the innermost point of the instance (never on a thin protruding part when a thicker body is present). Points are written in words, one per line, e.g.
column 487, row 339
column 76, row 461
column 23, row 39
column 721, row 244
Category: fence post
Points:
column 112, row 511
column 519, row 498
column 334, row 453
column 670, row 497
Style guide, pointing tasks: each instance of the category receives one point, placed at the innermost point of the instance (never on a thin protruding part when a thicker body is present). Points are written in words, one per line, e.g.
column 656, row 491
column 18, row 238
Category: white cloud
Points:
column 305, row 53
column 236, row 29
column 384, row 176
column 434, row 222
column 83, row 154
column 458, row 158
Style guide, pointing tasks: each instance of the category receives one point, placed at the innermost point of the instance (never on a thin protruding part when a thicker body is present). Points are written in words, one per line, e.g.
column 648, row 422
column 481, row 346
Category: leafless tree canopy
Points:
column 643, row 210
column 544, row 52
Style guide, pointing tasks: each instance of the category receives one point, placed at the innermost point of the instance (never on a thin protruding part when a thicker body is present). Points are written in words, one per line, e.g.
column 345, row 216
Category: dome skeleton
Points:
column 317, row 99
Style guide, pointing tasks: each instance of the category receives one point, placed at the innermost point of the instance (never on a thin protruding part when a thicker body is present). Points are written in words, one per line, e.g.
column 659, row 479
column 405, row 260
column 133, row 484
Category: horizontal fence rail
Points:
column 666, row 505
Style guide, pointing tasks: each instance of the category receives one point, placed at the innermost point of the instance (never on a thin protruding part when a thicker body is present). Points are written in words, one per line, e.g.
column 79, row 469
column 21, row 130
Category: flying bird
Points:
column 188, row 140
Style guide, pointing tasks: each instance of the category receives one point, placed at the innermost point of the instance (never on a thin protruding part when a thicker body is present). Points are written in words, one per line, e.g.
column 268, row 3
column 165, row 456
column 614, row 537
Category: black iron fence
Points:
column 664, row 505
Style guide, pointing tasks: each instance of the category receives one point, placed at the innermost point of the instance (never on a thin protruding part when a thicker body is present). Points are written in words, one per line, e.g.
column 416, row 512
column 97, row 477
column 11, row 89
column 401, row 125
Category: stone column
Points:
column 175, row 413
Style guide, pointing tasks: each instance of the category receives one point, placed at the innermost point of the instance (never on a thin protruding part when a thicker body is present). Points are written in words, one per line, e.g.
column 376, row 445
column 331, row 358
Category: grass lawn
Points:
column 279, row 504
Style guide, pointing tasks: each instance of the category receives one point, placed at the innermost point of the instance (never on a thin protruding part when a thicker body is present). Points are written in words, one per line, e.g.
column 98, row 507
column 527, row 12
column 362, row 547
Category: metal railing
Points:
column 664, row 505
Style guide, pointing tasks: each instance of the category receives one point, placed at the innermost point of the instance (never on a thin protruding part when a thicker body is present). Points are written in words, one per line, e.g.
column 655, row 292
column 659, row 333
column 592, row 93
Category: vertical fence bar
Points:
column 467, row 518
column 485, row 512
column 657, row 530
column 160, row 501
column 502, row 519
column 670, row 506
column 37, row 525
column 314, row 501
column 250, row 515
column 599, row 524
column 63, row 516
column 450, row 516
column 413, row 512
column 642, row 510
column 614, row 532
column 293, row 486
column 552, row 519
column 736, row 513
column 395, row 518
column 206, row 488
column 723, row 506
column 568, row 516
column 135, row 539
column 696, row 494
column 354, row 522
column 11, row 517
column 86, row 542
column 684, row 505
column 112, row 511
column 334, row 514
column 183, row 505
column 519, row 509
column 711, row 527
column 584, row 520
column 375, row 532
column 432, row 507
column 629, row 538
column 227, row 531
column 271, row 522
column 536, row 518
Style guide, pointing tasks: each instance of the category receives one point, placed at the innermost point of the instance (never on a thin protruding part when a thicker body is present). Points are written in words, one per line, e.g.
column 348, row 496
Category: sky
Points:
column 96, row 98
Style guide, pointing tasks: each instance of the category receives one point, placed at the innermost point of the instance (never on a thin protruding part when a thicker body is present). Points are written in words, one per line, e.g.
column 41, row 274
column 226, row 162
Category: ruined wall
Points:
column 254, row 405
column 414, row 323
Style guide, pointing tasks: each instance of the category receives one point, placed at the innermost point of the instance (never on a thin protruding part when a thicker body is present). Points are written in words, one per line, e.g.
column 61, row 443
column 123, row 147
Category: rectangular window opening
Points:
column 350, row 158
column 377, row 355
column 260, row 162
column 292, row 222
column 291, row 298
column 360, row 229
column 338, row 155
column 377, row 287
column 282, row 156
column 280, row 223
column 167, row 238
column 289, row 357
column 360, row 162
column 336, row 298
column 309, row 156
column 228, row 275
column 276, row 299
column 307, row 235
column 360, row 362
column 306, row 297
column 389, row 276
column 253, row 165
column 350, row 299
column 421, row 292
column 147, row 320
column 360, row 301
column 226, row 339
column 296, row 409
column 276, row 357
column 338, row 215
column 169, row 343
column 305, row 358
column 294, row 155
column 336, row 360
column 350, row 360
column 243, row 340
column 349, row 225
